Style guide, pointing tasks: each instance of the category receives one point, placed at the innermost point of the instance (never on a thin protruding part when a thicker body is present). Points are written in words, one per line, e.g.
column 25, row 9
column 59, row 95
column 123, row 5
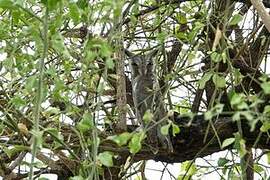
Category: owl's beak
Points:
column 142, row 70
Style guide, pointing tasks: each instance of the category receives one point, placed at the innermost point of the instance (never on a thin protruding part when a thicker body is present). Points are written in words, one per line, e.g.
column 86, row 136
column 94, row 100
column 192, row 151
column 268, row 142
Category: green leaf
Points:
column 121, row 139
column 54, row 132
column 100, row 88
column 218, row 108
column 182, row 36
column 242, row 105
column 59, row 84
column 31, row 83
column 237, row 76
column 191, row 57
column 242, row 150
column 16, row 17
column 227, row 142
column 106, row 158
column 82, row 4
column 77, row 178
column 239, row 144
column 196, row 28
column 43, row 178
column 247, row 115
column 51, row 4
column 161, row 36
column 208, row 115
column 117, row 8
column 148, row 116
column 216, row 57
column 189, row 168
column 219, row 81
column 235, row 19
column 258, row 169
column 38, row 135
column 6, row 151
column 165, row 129
column 59, row 45
column 266, row 109
column 184, row 177
column 236, row 116
column 109, row 63
column 222, row 161
column 181, row 18
column 238, row 101
column 74, row 12
column 265, row 127
column 268, row 158
column 266, row 87
column 206, row 77
column 6, row 4
column 86, row 123
column 135, row 143
column 15, row 150
column 105, row 49
column 224, row 56
column 17, row 101
column 175, row 129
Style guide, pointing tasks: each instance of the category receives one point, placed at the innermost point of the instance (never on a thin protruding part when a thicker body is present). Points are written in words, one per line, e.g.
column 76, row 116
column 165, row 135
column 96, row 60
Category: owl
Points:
column 147, row 95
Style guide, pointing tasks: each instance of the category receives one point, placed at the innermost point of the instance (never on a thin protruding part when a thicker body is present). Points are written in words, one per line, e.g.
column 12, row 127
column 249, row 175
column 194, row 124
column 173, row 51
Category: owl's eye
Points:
column 134, row 64
column 149, row 64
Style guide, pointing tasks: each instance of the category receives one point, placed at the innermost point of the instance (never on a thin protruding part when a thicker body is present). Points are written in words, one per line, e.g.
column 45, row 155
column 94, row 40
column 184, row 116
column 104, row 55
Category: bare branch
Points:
column 258, row 5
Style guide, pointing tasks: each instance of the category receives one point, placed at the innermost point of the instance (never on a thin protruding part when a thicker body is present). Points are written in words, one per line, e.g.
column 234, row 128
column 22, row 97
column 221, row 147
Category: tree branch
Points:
column 258, row 5
column 190, row 144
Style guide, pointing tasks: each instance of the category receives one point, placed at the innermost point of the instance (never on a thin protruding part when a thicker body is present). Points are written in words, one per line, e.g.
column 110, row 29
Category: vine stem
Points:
column 39, row 94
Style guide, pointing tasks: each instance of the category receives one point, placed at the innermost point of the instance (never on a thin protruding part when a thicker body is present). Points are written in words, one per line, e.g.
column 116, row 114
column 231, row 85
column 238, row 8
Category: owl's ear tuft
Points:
column 128, row 53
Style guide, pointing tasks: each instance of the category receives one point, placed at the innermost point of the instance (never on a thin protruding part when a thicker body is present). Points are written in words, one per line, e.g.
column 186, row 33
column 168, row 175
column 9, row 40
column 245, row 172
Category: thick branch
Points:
column 121, row 92
column 190, row 144
column 262, row 12
column 266, row 3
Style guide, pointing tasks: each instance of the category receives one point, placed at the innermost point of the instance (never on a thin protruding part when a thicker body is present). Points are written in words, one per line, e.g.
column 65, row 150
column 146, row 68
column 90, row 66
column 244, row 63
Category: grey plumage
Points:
column 147, row 96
